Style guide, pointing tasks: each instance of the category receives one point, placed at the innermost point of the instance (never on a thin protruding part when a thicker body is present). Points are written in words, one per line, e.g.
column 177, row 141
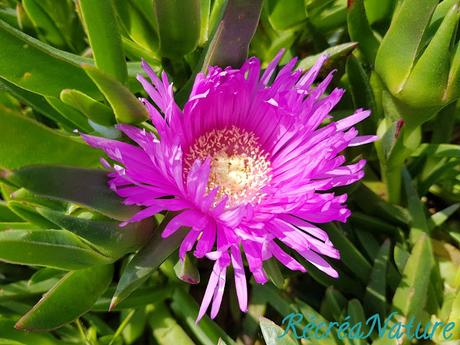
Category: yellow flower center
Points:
column 239, row 166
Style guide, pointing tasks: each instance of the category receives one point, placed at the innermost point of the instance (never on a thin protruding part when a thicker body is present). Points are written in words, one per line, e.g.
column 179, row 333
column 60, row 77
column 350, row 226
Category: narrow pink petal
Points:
column 188, row 242
column 240, row 278
column 219, row 293
column 209, row 293
column 320, row 263
column 271, row 67
column 352, row 120
column 364, row 139
column 286, row 259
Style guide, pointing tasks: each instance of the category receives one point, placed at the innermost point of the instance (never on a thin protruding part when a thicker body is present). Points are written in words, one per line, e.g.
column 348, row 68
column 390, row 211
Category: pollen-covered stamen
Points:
column 239, row 166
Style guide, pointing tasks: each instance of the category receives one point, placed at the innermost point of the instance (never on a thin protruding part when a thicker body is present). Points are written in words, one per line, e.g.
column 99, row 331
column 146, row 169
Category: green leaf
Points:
column 402, row 42
column 51, row 248
column 333, row 304
column 207, row 332
column 356, row 312
column 6, row 215
column 16, row 225
column 441, row 216
column 419, row 223
column 285, row 14
column 135, row 328
column 136, row 24
column 187, row 271
column 335, row 54
column 272, row 332
column 269, row 294
column 22, row 290
column 125, row 105
column 410, row 297
column 374, row 205
column 104, row 37
column 105, row 234
column 86, row 187
column 7, row 331
column 375, row 298
column 205, row 12
column 360, row 31
column 146, row 261
column 230, row 44
column 38, row 103
column 350, row 255
column 361, row 91
column 272, row 268
column 79, row 121
column 28, row 213
column 92, row 109
column 427, row 82
column 139, row 298
column 52, row 70
column 70, row 298
column 26, row 142
column 178, row 26
column 165, row 328
column 43, row 23
column 437, row 151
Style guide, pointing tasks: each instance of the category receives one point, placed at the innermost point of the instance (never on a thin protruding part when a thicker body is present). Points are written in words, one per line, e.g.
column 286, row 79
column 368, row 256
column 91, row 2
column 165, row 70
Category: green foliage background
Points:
column 67, row 65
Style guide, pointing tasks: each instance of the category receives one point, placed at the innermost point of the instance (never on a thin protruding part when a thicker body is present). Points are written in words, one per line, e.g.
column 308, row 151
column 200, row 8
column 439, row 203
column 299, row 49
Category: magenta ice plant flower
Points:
column 246, row 166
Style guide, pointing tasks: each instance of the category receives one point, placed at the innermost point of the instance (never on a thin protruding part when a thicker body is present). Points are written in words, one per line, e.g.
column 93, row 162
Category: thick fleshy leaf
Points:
column 52, row 248
column 146, row 261
column 136, row 24
column 272, row 333
column 104, row 37
column 92, row 109
column 357, row 316
column 187, row 271
column 8, row 332
column 285, row 14
column 125, row 105
column 350, row 255
column 105, row 234
column 52, row 71
column 272, row 269
column 178, row 26
column 402, row 42
column 375, row 298
column 139, row 298
column 438, row 151
column 38, row 103
column 230, row 44
column 165, row 328
column 333, row 304
column 361, row 90
column 186, row 309
column 24, row 142
column 28, row 213
column 419, row 223
column 360, row 31
column 335, row 55
column 86, row 187
column 43, row 23
column 71, row 297
column 311, row 315
column 205, row 12
column 426, row 85
column 21, row 290
column 411, row 295
column 80, row 122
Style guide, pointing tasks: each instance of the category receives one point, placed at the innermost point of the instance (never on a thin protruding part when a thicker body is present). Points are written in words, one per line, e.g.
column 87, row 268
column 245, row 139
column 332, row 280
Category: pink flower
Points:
column 247, row 166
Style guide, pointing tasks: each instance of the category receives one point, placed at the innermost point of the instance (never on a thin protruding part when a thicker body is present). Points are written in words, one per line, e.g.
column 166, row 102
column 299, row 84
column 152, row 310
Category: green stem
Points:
column 408, row 140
